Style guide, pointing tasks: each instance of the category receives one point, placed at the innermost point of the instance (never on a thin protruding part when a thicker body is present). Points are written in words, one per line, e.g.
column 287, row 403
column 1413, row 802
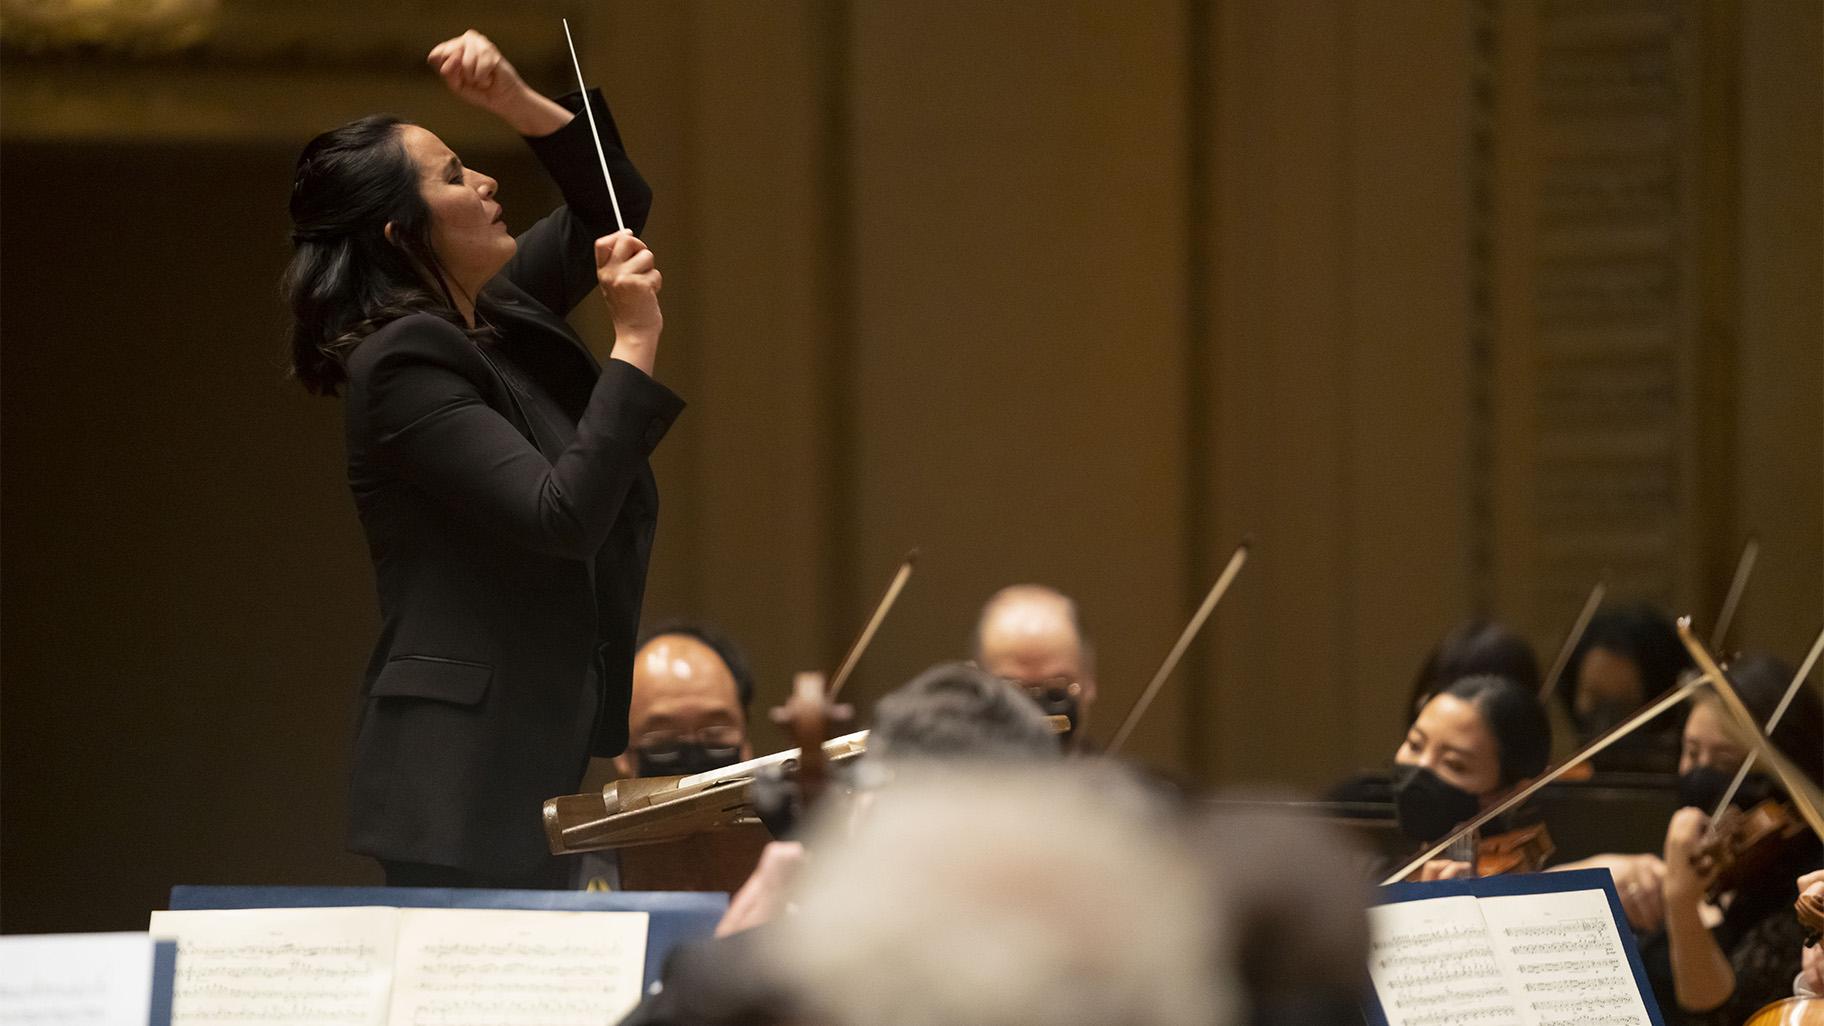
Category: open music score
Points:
column 1549, row 958
column 370, row 966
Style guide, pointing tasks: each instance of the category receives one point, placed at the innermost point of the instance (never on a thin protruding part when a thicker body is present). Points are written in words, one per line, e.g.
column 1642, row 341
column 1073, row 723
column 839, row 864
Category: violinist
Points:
column 688, row 714
column 1473, row 744
column 1473, row 648
column 1033, row 636
column 1627, row 655
column 1715, row 961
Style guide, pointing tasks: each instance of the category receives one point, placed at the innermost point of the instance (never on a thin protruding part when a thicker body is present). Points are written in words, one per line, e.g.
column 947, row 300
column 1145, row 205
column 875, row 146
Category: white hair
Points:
column 1056, row 895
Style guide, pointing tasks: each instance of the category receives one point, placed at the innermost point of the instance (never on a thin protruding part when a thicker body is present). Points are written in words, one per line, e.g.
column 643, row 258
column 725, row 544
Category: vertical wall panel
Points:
column 1018, row 303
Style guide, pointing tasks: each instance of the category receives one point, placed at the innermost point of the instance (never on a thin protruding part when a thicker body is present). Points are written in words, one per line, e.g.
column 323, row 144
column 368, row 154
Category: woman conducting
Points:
column 500, row 474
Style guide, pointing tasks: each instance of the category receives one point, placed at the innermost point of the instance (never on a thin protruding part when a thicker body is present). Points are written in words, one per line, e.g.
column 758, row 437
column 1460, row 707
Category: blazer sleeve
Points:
column 420, row 381
column 555, row 263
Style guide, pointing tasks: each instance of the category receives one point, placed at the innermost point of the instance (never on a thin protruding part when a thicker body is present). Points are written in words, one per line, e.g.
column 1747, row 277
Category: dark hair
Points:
column 1516, row 718
column 721, row 644
column 1474, row 648
column 1640, row 633
column 958, row 710
column 346, row 278
column 1761, row 681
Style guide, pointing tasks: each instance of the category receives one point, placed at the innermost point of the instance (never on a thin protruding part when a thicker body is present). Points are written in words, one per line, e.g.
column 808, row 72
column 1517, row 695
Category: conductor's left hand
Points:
column 474, row 69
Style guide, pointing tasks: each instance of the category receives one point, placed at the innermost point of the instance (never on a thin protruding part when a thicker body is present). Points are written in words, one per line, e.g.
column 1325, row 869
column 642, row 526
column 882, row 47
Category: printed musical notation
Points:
column 410, row 967
column 1434, row 964
column 496, row 967
column 1566, row 957
column 75, row 979
column 1552, row 959
column 281, row 966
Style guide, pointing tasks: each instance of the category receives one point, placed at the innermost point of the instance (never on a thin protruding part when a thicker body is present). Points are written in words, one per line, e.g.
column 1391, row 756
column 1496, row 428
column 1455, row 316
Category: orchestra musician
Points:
column 688, row 714
column 1033, row 636
column 1627, row 655
column 1716, row 962
column 500, row 473
column 1476, row 742
column 1471, row 649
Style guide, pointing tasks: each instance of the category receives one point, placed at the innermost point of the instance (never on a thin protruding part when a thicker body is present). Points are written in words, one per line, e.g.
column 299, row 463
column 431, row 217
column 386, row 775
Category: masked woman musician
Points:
column 1473, row 744
column 1717, row 961
column 500, row 474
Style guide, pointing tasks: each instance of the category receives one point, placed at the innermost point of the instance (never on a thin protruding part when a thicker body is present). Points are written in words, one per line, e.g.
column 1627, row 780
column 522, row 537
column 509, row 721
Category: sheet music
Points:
column 500, row 967
column 281, row 966
column 78, row 979
column 1434, row 963
column 1565, row 958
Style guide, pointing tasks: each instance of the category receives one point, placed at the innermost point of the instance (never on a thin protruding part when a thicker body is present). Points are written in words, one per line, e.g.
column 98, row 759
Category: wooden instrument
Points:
column 1795, row 1011
column 1523, row 850
column 1810, row 910
column 1742, row 846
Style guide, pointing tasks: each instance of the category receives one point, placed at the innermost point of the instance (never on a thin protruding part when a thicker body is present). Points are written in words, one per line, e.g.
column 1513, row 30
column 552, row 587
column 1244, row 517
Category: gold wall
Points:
column 1073, row 292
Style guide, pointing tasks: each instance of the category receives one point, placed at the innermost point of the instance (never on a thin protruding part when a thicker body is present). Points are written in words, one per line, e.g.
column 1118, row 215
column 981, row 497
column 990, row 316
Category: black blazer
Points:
column 509, row 512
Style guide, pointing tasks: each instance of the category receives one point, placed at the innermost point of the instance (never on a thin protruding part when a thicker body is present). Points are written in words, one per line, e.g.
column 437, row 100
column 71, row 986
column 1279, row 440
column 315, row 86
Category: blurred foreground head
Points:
column 1293, row 890
column 999, row 894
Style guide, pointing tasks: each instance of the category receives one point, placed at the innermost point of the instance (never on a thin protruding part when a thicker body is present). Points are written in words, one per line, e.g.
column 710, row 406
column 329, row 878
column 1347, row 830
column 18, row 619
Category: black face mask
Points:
column 1601, row 719
column 683, row 759
column 1425, row 806
column 1703, row 787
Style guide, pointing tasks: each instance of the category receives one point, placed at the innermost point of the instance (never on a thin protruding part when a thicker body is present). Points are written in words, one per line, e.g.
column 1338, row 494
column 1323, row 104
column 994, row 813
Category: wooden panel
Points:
column 1780, row 376
column 1339, row 369
column 1596, row 237
column 1018, row 300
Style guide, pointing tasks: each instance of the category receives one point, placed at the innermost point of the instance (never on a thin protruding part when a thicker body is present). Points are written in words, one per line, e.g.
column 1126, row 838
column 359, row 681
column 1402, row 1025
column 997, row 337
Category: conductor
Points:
column 500, row 473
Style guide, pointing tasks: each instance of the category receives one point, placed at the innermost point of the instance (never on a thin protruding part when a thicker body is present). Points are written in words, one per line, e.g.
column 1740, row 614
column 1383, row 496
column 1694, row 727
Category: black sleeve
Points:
column 555, row 263
column 419, row 381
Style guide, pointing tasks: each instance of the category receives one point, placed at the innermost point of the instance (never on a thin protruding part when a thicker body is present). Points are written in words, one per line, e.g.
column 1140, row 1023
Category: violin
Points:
column 1523, row 850
column 1798, row 1011
column 1746, row 845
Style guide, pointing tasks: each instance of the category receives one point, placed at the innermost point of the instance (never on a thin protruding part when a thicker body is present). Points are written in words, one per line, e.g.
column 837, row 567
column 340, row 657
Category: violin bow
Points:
column 1217, row 590
column 1773, row 721
column 1804, row 793
column 1589, row 751
column 1582, row 624
column 1744, row 565
column 866, row 637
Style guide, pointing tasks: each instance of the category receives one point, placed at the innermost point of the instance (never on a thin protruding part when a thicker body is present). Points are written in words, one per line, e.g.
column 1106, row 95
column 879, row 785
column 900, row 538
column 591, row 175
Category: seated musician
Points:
column 1471, row 649
column 1032, row 635
column 691, row 690
column 1628, row 655
column 688, row 714
column 1718, row 962
column 1473, row 744
column 953, row 711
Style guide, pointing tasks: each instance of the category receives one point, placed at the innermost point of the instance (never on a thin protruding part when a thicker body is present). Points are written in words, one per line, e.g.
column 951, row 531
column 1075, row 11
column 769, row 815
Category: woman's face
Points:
column 1707, row 745
column 1451, row 739
column 1607, row 679
column 468, row 233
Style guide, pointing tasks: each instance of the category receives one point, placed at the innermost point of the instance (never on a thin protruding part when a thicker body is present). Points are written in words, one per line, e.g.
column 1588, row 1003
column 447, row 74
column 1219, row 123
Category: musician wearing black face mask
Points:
column 1472, row 745
column 1032, row 636
column 691, row 689
column 1717, row 962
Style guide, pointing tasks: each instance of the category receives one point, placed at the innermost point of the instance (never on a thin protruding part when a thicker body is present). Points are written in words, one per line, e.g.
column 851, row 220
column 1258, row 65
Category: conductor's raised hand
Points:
column 474, row 69
column 630, row 282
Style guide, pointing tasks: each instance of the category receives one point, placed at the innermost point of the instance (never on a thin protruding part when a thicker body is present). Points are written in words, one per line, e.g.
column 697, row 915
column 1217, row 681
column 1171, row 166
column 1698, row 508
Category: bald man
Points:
column 691, row 689
column 1032, row 635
